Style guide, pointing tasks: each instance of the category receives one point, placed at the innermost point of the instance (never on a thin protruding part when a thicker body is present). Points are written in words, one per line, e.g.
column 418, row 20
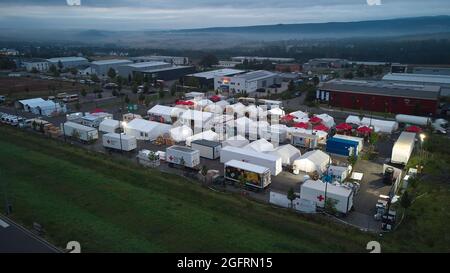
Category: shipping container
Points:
column 253, row 175
column 208, row 149
column 360, row 140
column 119, row 142
column 304, row 140
column 78, row 131
column 272, row 162
column 180, row 154
column 342, row 147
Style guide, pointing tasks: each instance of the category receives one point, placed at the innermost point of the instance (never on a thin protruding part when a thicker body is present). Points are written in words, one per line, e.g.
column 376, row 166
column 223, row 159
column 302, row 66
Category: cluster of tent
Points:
column 378, row 125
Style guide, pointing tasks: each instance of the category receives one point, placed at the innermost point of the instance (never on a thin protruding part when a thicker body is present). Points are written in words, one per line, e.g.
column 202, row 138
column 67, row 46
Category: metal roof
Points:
column 66, row 59
column 256, row 75
column 422, row 78
column 111, row 61
column 147, row 64
column 382, row 88
column 205, row 142
column 217, row 73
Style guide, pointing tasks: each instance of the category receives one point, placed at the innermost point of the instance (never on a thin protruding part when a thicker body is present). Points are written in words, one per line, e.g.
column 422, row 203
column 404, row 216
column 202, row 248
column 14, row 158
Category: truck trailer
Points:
column 253, row 175
column 403, row 148
column 184, row 156
column 78, row 131
column 272, row 162
column 208, row 149
column 119, row 142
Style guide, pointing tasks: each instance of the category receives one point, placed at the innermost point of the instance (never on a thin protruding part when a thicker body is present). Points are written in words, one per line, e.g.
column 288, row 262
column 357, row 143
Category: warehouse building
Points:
column 68, row 62
column 325, row 63
column 246, row 83
column 101, row 68
column 443, row 81
column 379, row 96
column 169, row 73
column 175, row 60
column 38, row 64
column 262, row 59
column 130, row 69
column 206, row 79
column 288, row 68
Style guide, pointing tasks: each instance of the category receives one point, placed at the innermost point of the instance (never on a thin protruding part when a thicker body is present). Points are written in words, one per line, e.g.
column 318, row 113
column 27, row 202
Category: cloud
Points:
column 170, row 14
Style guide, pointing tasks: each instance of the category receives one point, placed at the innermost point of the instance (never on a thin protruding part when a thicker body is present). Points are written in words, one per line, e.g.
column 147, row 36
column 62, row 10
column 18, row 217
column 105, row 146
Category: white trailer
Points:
column 253, row 175
column 119, row 142
column 179, row 154
column 318, row 192
column 272, row 162
column 81, row 132
column 416, row 120
column 403, row 148
column 208, row 149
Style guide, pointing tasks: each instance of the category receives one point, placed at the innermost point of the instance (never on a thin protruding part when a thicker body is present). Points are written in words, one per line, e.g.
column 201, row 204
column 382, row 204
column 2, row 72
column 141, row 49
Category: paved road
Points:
column 16, row 239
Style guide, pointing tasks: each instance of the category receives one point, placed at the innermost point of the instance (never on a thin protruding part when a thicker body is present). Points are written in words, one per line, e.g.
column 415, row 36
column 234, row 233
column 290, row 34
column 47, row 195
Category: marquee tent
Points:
column 288, row 153
column 206, row 135
column 146, row 130
column 235, row 141
column 180, row 133
column 312, row 161
column 109, row 125
column 260, row 145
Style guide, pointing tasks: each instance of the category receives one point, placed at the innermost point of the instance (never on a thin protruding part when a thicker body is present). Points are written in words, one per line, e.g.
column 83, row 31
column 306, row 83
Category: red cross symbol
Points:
column 170, row 158
column 320, row 197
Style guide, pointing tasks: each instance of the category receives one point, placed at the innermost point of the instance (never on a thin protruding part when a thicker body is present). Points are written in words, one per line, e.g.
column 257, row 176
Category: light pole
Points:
column 122, row 127
column 422, row 138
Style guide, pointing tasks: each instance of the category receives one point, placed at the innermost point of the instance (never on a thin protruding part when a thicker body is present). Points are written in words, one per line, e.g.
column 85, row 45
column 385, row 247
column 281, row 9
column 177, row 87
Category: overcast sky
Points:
column 179, row 14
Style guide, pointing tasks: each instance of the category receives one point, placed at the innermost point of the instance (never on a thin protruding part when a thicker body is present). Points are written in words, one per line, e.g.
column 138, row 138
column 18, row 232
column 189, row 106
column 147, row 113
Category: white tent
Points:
column 109, row 125
column 199, row 118
column 288, row 153
column 166, row 112
column 39, row 106
column 207, row 135
column 276, row 132
column 235, row 141
column 243, row 125
column 202, row 103
column 276, row 112
column 180, row 133
column 312, row 161
column 383, row 126
column 146, row 130
column 327, row 120
column 254, row 112
column 260, row 145
column 237, row 108
column 304, row 119
column 353, row 120
column 258, row 127
column 214, row 108
column 222, row 103
column 299, row 114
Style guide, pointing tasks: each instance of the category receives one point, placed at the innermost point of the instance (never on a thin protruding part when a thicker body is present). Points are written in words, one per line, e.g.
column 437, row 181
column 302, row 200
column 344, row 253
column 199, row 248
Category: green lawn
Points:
column 112, row 206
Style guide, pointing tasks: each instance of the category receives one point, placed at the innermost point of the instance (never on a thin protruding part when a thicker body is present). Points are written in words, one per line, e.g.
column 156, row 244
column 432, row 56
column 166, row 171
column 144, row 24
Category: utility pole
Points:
column 8, row 207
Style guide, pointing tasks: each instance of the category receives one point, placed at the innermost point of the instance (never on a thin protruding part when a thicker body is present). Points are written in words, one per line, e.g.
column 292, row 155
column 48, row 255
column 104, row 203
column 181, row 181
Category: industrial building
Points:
column 246, row 83
column 156, row 70
column 262, row 59
column 101, row 68
column 38, row 64
column 288, row 68
column 175, row 60
column 227, row 64
column 379, row 96
column 68, row 62
column 324, row 63
column 443, row 81
column 206, row 79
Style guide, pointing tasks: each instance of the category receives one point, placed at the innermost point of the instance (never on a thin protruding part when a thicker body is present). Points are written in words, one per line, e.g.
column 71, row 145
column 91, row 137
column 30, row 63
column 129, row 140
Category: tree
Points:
column 77, row 106
column 291, row 196
column 352, row 160
column 53, row 69
column 60, row 65
column 141, row 97
column 95, row 78
column 146, row 88
column 83, row 92
column 291, row 86
column 173, row 89
column 316, row 80
column 209, row 60
column 34, row 70
column 204, row 172
column 161, row 94
column 127, row 99
column 134, row 88
column 405, row 200
column 73, row 71
column 330, row 205
column 111, row 73
column 348, row 75
column 242, row 180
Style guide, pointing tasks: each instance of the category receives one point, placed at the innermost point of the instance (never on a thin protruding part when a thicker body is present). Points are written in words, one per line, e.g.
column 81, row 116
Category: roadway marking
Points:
column 3, row 224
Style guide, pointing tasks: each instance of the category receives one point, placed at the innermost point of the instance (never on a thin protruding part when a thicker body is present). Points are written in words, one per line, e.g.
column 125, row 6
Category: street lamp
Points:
column 122, row 128
column 422, row 138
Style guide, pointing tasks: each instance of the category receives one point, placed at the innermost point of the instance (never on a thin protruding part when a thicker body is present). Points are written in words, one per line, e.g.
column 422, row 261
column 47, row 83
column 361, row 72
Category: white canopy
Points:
column 202, row 103
column 207, row 135
column 214, row 108
column 254, row 112
column 146, row 130
column 237, row 108
column 165, row 112
column 304, row 120
column 299, row 114
column 180, row 133
column 327, row 120
column 258, row 127
column 109, row 125
column 222, row 103
column 312, row 161
column 353, row 120
column 288, row 153
column 260, row 145
column 200, row 118
column 276, row 112
column 235, row 141
column 243, row 125
column 384, row 126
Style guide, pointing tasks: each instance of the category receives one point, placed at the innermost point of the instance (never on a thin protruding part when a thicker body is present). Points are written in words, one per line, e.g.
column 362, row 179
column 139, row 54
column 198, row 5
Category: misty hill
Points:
column 376, row 28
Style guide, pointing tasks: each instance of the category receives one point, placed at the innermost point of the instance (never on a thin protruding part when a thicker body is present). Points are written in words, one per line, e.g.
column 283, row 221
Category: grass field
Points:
column 113, row 206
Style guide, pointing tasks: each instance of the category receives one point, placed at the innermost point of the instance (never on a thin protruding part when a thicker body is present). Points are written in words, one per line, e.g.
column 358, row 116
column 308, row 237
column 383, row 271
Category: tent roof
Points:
column 316, row 156
column 344, row 126
column 299, row 114
column 301, row 125
column 286, row 152
column 320, row 127
column 161, row 110
column 142, row 124
column 315, row 119
column 260, row 145
column 196, row 115
column 110, row 122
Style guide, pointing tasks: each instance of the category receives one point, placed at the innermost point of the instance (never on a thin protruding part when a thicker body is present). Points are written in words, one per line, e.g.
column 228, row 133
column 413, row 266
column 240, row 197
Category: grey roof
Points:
column 147, row 64
column 165, row 69
column 182, row 149
column 66, row 59
column 256, row 75
column 217, row 73
column 422, row 78
column 382, row 88
column 111, row 61
column 207, row 143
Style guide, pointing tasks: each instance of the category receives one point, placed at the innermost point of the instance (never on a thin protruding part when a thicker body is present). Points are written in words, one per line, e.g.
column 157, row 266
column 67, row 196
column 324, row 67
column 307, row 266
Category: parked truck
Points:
column 80, row 132
column 403, row 148
column 252, row 175
column 120, row 142
column 180, row 155
column 208, row 149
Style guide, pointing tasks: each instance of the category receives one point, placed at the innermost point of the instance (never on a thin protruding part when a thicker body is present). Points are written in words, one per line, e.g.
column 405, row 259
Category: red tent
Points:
column 184, row 102
column 301, row 125
column 364, row 130
column 344, row 127
column 413, row 129
column 97, row 110
column 215, row 98
column 288, row 118
column 315, row 120
column 320, row 127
